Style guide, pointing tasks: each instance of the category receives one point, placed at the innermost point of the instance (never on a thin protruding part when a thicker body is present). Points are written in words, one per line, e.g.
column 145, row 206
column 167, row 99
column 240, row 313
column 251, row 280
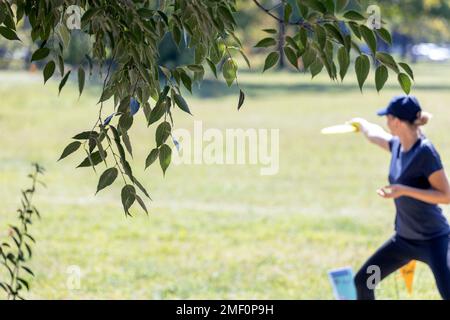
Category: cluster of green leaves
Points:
column 16, row 253
column 125, row 36
column 324, row 36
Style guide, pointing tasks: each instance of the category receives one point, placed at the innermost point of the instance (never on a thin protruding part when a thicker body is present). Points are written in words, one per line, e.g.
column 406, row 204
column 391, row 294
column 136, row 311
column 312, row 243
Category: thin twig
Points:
column 300, row 22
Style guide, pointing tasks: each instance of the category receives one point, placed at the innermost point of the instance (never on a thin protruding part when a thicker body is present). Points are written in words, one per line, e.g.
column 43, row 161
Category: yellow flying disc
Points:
column 340, row 128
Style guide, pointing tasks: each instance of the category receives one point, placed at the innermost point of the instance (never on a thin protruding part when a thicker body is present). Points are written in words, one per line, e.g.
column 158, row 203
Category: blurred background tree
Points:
column 415, row 21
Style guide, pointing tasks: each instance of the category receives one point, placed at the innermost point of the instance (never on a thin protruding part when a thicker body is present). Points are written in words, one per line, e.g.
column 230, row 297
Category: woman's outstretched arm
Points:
column 373, row 132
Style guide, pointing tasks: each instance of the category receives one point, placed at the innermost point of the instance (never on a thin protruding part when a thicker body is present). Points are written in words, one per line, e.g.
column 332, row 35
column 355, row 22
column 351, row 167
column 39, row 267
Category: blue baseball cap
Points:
column 402, row 107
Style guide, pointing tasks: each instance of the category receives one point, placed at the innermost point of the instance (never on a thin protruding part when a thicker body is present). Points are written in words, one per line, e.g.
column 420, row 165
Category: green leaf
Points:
column 344, row 62
column 212, row 66
column 28, row 270
column 49, row 69
column 181, row 103
column 165, row 155
column 387, row 60
column 151, row 157
column 128, row 196
column 266, row 42
column 107, row 178
column 354, row 15
column 106, row 94
column 196, row 67
column 176, row 35
column 303, row 36
column 315, row 5
column 164, row 17
column 81, row 79
column 63, row 82
column 291, row 56
column 227, row 15
column 127, row 168
column 217, row 52
column 118, row 143
column 381, row 76
column 127, row 142
column 271, row 60
column 166, row 71
column 308, row 58
column 241, row 99
column 200, row 54
column 341, row 4
column 98, row 142
column 8, row 19
column 40, row 54
column 362, row 68
column 8, row 33
column 5, row 286
column 405, row 82
column 329, row 4
column 147, row 111
column 315, row 68
column 247, row 61
column 229, row 70
column 287, row 12
column 157, row 112
column 141, row 187
column 89, row 14
column 162, row 133
column 335, row 33
column 187, row 82
column 385, row 35
column 94, row 157
column 145, row 13
column 85, row 135
column 321, row 35
column 142, row 204
column 290, row 41
column 64, row 34
column 302, row 8
column 369, row 37
column 125, row 122
column 69, row 149
column 27, row 246
column 25, row 283
column 355, row 29
column 407, row 69
column 272, row 31
column 61, row 65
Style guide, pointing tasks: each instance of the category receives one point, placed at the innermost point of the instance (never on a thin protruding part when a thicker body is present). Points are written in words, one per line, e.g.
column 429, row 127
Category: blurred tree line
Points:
column 415, row 21
column 410, row 21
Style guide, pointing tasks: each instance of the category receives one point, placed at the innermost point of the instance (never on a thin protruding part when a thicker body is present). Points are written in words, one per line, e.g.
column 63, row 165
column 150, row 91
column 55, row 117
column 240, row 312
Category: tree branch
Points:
column 301, row 22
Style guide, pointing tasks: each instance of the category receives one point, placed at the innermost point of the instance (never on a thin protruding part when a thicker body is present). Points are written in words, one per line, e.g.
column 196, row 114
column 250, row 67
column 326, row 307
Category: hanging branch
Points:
column 301, row 22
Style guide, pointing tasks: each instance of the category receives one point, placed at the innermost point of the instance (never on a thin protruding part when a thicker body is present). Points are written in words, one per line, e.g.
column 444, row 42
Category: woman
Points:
column 418, row 184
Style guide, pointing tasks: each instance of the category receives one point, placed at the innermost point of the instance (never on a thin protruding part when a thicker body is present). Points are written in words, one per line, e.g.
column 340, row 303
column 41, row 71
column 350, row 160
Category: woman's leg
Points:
column 439, row 262
column 388, row 258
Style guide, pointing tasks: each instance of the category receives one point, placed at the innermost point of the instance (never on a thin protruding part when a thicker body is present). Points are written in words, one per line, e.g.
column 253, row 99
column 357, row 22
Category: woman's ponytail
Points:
column 422, row 118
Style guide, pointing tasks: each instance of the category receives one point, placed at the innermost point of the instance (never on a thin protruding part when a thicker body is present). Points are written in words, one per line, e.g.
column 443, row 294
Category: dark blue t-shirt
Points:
column 416, row 219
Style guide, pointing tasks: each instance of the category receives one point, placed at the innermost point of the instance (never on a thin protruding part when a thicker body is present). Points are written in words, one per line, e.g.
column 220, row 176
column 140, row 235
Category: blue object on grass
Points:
column 343, row 284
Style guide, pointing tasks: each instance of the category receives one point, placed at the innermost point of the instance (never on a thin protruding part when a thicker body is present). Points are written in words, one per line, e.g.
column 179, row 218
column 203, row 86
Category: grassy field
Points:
column 217, row 232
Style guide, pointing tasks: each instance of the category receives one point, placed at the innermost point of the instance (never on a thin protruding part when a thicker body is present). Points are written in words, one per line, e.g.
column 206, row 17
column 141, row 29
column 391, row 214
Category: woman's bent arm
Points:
column 440, row 192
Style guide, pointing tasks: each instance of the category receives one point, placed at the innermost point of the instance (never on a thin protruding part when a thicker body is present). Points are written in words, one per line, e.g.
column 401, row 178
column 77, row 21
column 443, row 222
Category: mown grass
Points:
column 217, row 232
